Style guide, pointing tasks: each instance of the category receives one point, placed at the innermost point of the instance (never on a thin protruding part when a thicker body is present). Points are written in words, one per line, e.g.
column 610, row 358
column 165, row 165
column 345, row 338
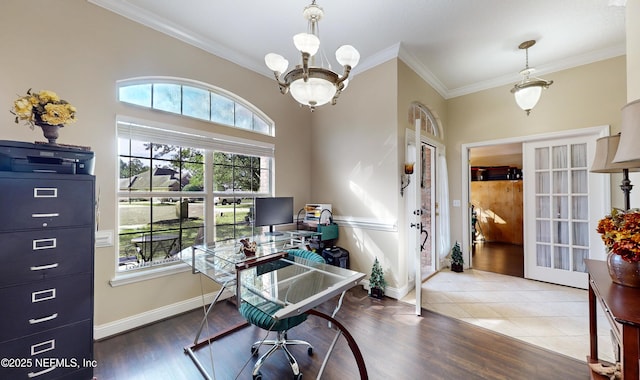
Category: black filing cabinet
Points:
column 46, row 275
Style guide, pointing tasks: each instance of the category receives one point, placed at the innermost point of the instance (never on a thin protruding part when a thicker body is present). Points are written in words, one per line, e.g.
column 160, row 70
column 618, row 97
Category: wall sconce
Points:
column 405, row 178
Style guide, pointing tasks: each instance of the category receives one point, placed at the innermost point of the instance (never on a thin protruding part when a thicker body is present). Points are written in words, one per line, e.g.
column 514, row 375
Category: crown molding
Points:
column 423, row 72
column 153, row 21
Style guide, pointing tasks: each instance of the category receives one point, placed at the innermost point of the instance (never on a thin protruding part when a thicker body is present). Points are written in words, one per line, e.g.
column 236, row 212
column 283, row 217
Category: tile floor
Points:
column 550, row 316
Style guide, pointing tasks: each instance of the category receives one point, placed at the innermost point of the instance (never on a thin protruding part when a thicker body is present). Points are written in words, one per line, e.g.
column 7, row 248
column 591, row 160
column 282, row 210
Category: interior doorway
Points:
column 495, row 194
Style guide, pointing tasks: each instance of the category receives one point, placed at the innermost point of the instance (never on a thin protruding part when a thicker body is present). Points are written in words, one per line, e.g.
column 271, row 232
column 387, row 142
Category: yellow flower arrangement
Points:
column 620, row 232
column 44, row 107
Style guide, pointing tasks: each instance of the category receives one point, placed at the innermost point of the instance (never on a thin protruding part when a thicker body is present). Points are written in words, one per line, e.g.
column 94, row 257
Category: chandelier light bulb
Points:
column 306, row 43
column 347, row 55
column 276, row 63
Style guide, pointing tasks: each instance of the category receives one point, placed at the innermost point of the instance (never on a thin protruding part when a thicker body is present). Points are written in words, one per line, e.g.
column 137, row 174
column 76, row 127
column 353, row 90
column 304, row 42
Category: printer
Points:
column 19, row 156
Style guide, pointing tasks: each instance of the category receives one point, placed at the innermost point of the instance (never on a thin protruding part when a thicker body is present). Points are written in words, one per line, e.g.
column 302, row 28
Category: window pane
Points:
column 167, row 97
column 195, row 102
column 221, row 109
column 140, row 149
column 244, row 117
column 139, row 94
column 133, row 172
column 259, row 125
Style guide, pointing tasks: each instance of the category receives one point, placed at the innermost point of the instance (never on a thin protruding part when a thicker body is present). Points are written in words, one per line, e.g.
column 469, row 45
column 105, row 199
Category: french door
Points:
column 562, row 206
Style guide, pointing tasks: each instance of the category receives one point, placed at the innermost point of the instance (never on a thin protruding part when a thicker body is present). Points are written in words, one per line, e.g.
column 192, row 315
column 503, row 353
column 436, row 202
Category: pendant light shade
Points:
column 528, row 91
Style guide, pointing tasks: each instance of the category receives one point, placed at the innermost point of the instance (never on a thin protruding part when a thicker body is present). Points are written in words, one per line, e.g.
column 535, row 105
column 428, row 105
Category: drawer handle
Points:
column 44, row 243
column 51, row 215
column 36, row 374
column 43, row 267
column 44, row 319
column 45, row 192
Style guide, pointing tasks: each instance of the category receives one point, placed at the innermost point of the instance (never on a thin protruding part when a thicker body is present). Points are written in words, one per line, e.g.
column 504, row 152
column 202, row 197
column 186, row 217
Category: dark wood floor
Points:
column 395, row 344
column 503, row 258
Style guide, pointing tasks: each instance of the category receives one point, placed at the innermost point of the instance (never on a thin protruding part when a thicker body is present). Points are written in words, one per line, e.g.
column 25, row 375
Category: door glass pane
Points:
column 560, row 182
column 561, row 232
column 542, row 231
column 542, row 183
column 561, row 258
column 542, row 207
column 579, row 255
column 579, row 181
column 542, row 158
column 543, row 255
column 581, row 233
column 559, row 157
column 561, row 207
column 580, row 207
column 579, row 155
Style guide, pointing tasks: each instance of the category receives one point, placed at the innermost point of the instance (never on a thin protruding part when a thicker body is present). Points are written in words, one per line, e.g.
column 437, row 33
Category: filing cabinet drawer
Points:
column 36, row 255
column 38, row 354
column 44, row 203
column 43, row 305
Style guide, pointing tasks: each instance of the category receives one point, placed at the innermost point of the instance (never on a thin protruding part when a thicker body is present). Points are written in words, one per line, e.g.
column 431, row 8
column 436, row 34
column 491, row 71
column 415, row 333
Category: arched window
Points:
column 195, row 99
column 178, row 187
column 428, row 122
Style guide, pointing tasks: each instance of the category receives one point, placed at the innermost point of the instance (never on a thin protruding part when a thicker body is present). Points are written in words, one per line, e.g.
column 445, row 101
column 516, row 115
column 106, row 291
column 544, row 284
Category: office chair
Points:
column 259, row 318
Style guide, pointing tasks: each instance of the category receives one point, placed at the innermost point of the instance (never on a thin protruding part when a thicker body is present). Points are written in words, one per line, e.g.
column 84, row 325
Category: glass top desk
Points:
column 279, row 285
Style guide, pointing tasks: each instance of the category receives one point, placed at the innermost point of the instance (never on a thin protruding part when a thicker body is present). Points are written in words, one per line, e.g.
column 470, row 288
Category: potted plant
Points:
column 377, row 283
column 456, row 258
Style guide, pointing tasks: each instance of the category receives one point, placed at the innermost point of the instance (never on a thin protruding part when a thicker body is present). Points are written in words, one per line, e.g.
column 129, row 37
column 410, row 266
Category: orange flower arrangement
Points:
column 620, row 232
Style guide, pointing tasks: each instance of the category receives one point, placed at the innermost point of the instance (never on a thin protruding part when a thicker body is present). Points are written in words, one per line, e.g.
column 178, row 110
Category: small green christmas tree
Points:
column 377, row 283
column 456, row 258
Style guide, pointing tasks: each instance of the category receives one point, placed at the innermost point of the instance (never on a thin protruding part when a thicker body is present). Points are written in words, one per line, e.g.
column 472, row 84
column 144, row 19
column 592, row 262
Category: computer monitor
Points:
column 273, row 211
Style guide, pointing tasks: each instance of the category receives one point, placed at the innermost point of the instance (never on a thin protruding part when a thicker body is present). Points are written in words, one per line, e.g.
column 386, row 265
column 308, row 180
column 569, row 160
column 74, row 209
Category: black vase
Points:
column 456, row 267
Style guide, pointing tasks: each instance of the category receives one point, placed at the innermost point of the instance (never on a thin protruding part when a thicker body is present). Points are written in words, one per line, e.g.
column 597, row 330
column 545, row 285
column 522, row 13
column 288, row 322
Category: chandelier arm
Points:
column 305, row 66
column 283, row 86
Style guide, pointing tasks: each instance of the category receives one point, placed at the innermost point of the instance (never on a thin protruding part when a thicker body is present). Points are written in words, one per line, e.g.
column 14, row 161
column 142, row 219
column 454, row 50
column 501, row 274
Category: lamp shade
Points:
column 606, row 148
column 528, row 97
column 628, row 150
column 313, row 92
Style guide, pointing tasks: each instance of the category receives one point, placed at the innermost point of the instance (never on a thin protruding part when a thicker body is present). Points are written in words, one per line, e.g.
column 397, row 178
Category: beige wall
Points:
column 354, row 166
column 582, row 97
column 79, row 51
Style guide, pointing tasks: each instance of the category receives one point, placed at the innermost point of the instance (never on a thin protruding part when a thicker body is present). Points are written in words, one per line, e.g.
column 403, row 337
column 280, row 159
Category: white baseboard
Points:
column 117, row 327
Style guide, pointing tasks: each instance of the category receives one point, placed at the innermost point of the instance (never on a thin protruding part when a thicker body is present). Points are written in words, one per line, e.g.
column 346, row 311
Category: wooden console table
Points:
column 621, row 305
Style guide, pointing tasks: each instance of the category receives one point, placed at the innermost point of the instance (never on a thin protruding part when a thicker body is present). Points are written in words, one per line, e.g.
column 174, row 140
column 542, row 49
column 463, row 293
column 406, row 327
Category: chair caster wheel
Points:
column 258, row 376
column 310, row 351
column 297, row 377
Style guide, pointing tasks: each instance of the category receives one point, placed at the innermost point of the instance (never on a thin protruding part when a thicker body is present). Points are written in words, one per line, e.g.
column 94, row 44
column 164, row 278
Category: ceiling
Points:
column 458, row 47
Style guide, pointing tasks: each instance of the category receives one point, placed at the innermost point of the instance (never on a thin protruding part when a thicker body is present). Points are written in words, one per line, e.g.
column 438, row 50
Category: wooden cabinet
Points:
column 46, row 276
column 498, row 206
column 621, row 305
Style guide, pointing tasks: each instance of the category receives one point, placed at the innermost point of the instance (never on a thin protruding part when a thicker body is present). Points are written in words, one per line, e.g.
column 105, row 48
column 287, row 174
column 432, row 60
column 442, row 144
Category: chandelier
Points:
column 311, row 83
column 527, row 92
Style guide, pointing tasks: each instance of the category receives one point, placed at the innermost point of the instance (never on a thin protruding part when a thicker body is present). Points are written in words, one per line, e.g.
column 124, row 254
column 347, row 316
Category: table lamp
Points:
column 620, row 153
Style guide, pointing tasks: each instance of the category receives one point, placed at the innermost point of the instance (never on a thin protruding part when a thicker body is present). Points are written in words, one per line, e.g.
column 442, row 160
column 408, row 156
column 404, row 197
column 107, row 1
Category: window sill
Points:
column 132, row 277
